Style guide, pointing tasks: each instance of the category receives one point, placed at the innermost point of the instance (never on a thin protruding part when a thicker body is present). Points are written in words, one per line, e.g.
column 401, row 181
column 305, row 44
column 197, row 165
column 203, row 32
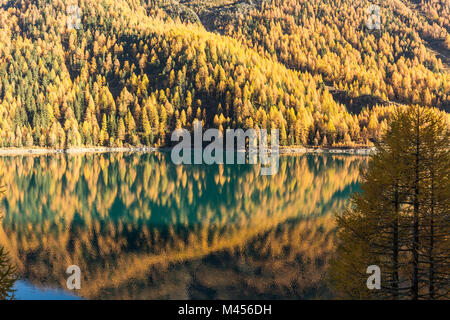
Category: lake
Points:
column 140, row 227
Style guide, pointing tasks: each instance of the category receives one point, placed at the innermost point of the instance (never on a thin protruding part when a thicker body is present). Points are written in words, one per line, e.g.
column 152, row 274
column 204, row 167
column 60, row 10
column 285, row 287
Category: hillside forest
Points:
column 132, row 71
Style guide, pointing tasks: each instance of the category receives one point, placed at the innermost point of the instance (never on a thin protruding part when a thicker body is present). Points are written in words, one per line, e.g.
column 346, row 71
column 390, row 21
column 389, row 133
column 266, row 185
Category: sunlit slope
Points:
column 130, row 75
column 406, row 61
column 119, row 217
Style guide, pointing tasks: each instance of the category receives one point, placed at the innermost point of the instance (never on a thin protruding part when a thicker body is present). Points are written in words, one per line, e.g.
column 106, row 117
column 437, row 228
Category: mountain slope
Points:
column 331, row 38
column 131, row 74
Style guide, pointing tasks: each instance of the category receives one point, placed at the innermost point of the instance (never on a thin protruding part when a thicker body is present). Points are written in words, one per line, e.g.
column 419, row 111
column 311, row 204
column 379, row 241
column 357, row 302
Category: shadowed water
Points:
column 140, row 227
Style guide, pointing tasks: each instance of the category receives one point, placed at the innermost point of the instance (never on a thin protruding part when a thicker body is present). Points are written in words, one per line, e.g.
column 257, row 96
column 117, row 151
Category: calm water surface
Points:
column 140, row 227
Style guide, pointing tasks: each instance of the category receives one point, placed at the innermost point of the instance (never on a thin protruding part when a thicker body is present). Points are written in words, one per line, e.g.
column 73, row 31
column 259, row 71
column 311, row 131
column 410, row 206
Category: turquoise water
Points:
column 140, row 227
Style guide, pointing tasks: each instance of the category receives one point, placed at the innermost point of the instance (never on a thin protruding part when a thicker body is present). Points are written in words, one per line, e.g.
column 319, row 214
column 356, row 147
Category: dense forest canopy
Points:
column 136, row 70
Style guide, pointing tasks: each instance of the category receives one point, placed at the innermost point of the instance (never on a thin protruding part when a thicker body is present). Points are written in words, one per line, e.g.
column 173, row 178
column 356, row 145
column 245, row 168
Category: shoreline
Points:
column 353, row 151
column 88, row 150
column 78, row 150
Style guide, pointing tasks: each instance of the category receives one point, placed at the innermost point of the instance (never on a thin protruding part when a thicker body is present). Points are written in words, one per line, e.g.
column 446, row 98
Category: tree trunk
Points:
column 395, row 294
column 415, row 245
column 431, row 268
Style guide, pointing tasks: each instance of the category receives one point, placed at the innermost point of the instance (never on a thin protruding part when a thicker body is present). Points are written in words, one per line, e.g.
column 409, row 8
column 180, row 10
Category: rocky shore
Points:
column 356, row 151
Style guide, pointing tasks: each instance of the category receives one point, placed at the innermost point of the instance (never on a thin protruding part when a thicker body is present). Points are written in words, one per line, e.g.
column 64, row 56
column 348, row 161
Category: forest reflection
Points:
column 140, row 227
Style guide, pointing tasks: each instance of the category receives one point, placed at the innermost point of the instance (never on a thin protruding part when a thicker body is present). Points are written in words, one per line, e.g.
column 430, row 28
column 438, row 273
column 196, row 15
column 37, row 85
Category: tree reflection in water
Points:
column 140, row 227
